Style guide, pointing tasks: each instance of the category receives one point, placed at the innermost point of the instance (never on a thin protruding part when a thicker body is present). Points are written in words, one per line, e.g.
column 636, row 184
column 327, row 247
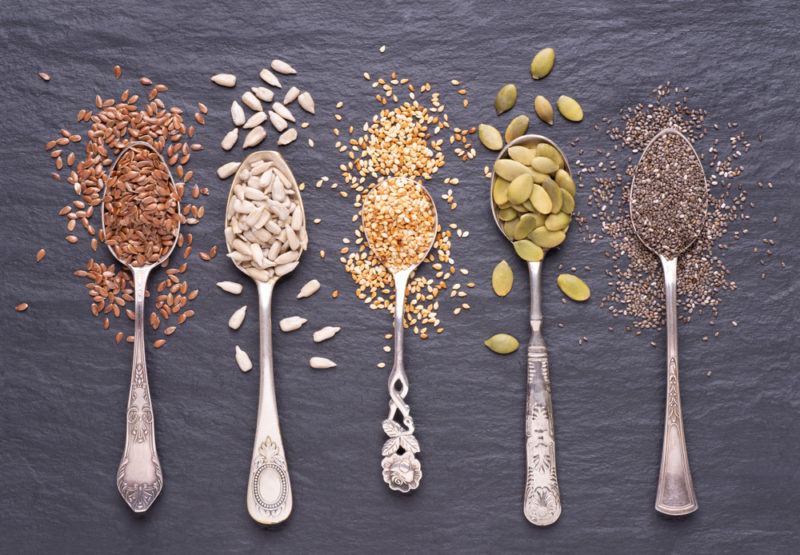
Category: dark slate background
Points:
column 63, row 383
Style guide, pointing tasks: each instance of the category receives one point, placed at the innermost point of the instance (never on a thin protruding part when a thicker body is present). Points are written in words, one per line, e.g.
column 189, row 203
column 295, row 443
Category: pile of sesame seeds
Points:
column 112, row 123
column 408, row 137
column 637, row 293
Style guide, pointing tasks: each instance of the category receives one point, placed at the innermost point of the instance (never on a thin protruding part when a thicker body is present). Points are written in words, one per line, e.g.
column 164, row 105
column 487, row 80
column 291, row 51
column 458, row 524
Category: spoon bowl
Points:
column 139, row 477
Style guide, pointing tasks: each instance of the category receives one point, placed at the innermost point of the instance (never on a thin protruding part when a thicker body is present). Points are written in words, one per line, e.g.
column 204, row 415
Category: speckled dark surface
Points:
column 63, row 382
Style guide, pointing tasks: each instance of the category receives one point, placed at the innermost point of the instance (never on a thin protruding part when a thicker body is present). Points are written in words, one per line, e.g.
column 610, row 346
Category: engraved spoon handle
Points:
column 542, row 505
column 139, row 479
column 269, row 492
column 675, row 494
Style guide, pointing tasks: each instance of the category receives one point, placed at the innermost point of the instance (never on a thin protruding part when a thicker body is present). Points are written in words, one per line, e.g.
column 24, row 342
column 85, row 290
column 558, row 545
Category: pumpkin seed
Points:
column 500, row 191
column 567, row 202
column 509, row 169
column 520, row 189
column 547, row 239
column 541, row 200
column 549, row 151
column 502, row 279
column 569, row 108
column 543, row 109
column 554, row 192
column 506, row 214
column 502, row 344
column 573, row 287
column 527, row 223
column 490, row 137
column 529, row 251
column 505, row 99
column 521, row 154
column 509, row 227
column 564, row 180
column 516, row 128
column 542, row 63
column 557, row 222
column 543, row 164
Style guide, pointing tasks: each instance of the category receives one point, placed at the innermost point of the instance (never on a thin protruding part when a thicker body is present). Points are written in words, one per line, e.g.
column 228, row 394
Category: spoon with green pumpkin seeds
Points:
column 532, row 198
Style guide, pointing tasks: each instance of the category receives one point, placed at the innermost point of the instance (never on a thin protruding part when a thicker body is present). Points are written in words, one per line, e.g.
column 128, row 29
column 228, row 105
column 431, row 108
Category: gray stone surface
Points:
column 63, row 383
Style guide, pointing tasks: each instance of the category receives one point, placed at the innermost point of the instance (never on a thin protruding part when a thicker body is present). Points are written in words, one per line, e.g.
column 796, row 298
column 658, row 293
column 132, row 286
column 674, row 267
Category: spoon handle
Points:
column 542, row 505
column 139, row 479
column 269, row 493
column 402, row 470
column 675, row 495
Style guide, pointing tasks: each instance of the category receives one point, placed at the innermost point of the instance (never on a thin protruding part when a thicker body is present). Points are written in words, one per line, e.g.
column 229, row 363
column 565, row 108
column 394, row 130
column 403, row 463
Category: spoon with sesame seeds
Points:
column 141, row 222
column 265, row 232
column 668, row 211
column 400, row 224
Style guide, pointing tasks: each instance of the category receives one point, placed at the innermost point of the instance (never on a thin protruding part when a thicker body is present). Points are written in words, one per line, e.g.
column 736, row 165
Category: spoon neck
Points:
column 535, row 271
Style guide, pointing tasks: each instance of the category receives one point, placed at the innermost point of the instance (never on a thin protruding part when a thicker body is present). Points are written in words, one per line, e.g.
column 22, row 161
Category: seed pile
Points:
column 141, row 209
column 635, row 276
column 668, row 202
column 399, row 221
column 406, row 138
column 112, row 123
column 265, row 227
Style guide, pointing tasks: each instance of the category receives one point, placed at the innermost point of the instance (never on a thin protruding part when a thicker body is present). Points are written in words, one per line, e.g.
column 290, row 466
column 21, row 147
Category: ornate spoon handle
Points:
column 139, row 479
column 542, row 505
column 402, row 470
column 269, row 492
column 675, row 494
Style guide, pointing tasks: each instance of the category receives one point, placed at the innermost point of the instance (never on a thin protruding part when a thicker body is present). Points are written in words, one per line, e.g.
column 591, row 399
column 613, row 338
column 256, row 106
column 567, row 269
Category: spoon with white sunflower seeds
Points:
column 265, row 231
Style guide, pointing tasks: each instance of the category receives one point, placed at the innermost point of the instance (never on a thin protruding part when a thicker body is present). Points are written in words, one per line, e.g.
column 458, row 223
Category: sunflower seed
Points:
column 237, row 114
column 230, row 139
column 251, row 101
column 291, row 95
column 308, row 289
column 325, row 333
column 277, row 122
column 306, row 102
column 263, row 93
column 283, row 111
column 254, row 137
column 291, row 323
column 255, row 120
column 227, row 170
column 269, row 78
column 243, row 360
column 287, row 137
column 282, row 67
column 224, row 79
column 230, row 287
column 236, row 319
column 320, row 362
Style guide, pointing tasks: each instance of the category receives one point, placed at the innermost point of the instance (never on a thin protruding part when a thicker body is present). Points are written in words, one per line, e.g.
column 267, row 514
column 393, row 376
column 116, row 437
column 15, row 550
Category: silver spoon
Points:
column 139, row 478
column 542, row 501
column 675, row 494
column 402, row 472
column 269, row 491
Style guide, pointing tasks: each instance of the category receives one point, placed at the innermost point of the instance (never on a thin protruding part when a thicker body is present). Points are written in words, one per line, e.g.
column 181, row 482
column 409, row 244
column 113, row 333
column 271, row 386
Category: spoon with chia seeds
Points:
column 400, row 223
column 532, row 200
column 141, row 222
column 668, row 201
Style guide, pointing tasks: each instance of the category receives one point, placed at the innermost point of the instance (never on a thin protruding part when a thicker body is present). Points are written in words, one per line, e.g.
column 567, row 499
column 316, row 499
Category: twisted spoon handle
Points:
column 542, row 505
column 675, row 494
column 139, row 479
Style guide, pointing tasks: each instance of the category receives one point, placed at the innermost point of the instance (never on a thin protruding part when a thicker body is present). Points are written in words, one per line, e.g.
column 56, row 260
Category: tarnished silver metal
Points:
column 139, row 478
column 542, row 499
column 401, row 469
column 675, row 493
column 269, row 490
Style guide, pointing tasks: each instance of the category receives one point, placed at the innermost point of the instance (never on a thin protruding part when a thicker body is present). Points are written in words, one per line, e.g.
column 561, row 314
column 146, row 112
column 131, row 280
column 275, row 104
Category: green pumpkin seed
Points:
column 516, row 128
column 502, row 279
column 520, row 189
column 528, row 206
column 490, row 137
column 569, row 108
column 505, row 99
column 521, row 154
column 500, row 191
column 527, row 223
column 539, row 177
column 565, row 181
column 543, row 164
column 541, row 200
column 549, row 151
column 547, row 239
column 554, row 192
column 567, row 202
column 529, row 251
column 520, row 208
column 506, row 214
column 502, row 344
column 509, row 227
column 556, row 222
column 573, row 287
column 510, row 169
column 542, row 63
column 543, row 109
